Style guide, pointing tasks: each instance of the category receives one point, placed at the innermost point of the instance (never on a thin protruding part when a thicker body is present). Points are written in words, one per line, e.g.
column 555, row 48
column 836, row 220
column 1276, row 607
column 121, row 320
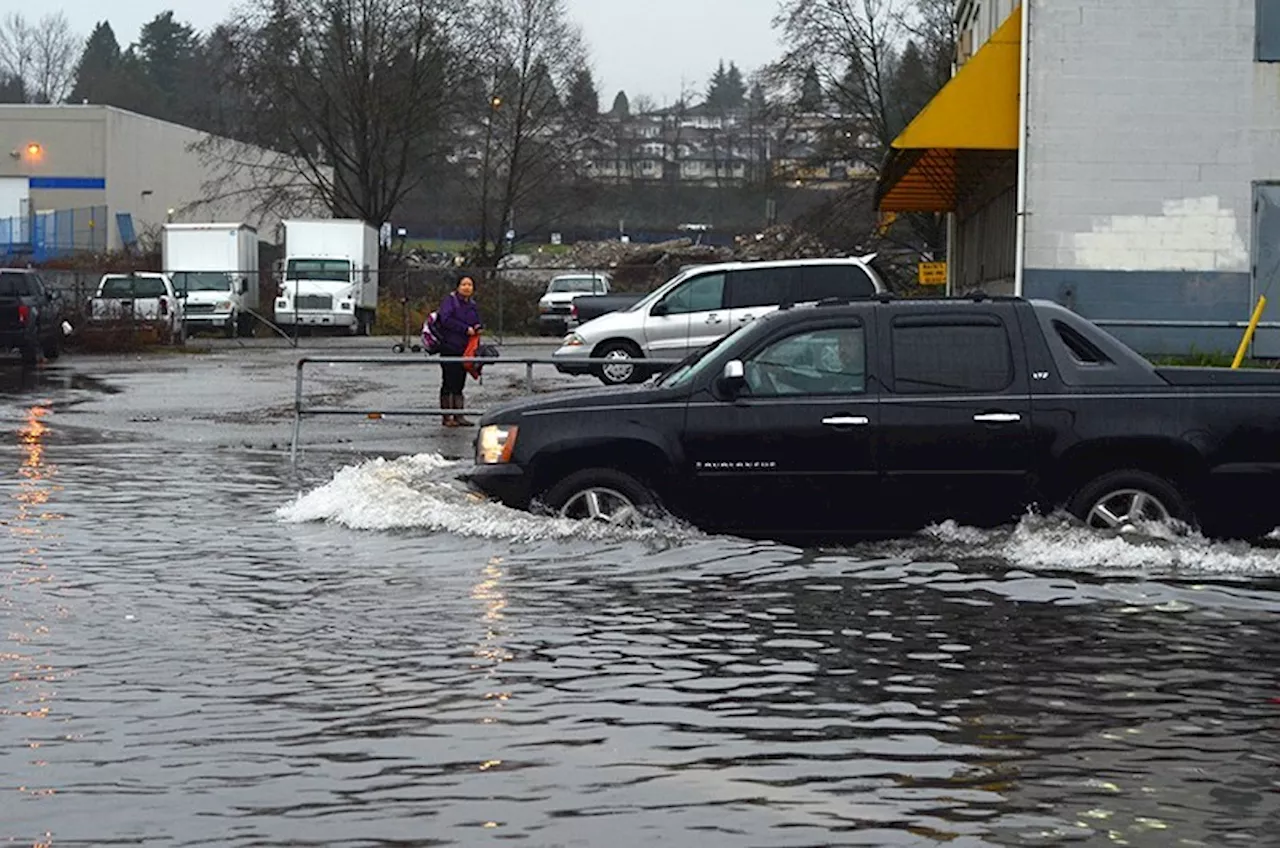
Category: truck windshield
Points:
column 202, row 281
column 329, row 270
column 133, row 287
column 575, row 284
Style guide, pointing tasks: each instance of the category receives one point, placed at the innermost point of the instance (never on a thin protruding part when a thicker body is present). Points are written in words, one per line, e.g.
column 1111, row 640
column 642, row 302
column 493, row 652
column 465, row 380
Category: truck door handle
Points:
column 998, row 418
column 846, row 421
column 713, row 318
column 745, row 318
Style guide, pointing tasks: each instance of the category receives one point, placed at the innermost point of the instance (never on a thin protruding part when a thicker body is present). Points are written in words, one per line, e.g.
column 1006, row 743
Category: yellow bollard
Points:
column 1248, row 333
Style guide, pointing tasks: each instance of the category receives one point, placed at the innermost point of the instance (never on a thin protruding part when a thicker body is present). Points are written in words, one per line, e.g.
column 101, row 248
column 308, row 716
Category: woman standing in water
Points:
column 459, row 320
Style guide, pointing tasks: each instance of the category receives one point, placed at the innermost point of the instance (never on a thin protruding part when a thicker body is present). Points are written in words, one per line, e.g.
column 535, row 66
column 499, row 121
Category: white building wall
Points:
column 1148, row 122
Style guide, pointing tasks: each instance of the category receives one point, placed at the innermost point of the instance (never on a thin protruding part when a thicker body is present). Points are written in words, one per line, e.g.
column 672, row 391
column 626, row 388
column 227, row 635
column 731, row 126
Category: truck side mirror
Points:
column 733, row 378
column 244, row 287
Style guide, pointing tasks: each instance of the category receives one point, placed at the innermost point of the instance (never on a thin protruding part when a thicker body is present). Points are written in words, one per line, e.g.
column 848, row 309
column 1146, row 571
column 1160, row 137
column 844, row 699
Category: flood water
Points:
column 207, row 647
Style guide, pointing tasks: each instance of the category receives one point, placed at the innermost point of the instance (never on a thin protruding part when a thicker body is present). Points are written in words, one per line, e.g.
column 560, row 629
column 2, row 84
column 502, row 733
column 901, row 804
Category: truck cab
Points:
column 329, row 278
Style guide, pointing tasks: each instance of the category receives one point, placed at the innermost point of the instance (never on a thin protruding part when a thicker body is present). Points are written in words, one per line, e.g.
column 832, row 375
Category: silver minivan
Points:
column 701, row 305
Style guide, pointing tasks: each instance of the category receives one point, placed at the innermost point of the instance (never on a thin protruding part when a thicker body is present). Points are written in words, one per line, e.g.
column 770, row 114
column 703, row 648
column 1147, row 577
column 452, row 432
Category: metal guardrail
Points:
column 300, row 411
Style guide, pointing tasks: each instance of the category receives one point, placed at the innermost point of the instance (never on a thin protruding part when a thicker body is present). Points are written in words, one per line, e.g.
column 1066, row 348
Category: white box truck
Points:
column 214, row 267
column 330, row 276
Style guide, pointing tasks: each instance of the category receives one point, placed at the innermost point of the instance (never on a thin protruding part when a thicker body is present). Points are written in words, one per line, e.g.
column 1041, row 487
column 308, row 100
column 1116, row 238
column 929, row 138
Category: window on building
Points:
column 1267, row 31
column 932, row 356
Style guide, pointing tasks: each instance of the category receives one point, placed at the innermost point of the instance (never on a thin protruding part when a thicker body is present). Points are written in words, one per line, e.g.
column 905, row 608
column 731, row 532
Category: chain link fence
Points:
column 508, row 298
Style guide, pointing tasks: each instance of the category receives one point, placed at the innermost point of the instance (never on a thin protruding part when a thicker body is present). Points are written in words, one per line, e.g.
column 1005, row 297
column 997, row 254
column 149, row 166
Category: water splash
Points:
column 423, row 493
column 1059, row 542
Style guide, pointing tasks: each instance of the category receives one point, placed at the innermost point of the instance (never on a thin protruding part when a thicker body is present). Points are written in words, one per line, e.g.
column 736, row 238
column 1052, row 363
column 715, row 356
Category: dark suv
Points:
column 30, row 318
column 882, row 416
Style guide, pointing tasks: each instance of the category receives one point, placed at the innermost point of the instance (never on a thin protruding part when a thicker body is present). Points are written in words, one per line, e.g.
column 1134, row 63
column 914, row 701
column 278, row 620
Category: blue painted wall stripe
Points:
column 59, row 183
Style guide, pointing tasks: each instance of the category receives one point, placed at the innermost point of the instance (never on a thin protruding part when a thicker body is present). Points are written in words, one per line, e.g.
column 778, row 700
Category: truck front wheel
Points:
column 1119, row 500
column 601, row 494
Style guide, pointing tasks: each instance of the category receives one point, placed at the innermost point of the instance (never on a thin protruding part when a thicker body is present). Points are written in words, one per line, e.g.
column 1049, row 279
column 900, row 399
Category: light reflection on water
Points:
column 200, row 671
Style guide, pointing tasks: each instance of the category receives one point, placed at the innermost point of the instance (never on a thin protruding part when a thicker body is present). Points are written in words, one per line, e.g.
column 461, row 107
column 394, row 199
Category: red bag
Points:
column 473, row 367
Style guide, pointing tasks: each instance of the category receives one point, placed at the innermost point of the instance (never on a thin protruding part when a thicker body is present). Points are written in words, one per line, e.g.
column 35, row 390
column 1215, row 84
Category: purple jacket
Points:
column 455, row 316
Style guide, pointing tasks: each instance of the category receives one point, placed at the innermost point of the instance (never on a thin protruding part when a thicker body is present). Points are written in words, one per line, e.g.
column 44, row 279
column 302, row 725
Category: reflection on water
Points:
column 388, row 662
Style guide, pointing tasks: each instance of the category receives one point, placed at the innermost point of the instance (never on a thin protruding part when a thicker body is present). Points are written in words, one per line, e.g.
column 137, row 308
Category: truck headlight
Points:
column 223, row 306
column 574, row 340
column 345, row 306
column 496, row 444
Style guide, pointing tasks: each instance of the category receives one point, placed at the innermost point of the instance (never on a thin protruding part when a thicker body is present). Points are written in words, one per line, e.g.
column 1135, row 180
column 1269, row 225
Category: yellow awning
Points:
column 973, row 119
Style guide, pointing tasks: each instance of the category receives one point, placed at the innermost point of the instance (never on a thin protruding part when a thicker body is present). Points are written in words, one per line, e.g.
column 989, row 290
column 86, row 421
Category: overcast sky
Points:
column 640, row 46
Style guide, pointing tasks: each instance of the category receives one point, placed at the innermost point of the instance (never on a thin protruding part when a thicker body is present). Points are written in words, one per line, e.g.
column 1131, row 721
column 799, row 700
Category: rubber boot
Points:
column 459, row 403
column 446, row 402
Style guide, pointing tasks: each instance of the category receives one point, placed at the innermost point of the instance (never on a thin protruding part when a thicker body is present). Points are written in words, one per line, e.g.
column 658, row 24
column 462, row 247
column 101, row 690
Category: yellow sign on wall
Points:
column 933, row 273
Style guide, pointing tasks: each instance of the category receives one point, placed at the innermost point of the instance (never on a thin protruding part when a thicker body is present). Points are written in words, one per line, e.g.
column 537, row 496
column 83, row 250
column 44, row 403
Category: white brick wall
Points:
column 1148, row 121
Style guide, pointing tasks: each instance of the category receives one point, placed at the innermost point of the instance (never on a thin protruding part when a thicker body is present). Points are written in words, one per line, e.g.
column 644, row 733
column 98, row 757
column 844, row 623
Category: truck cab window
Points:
column 701, row 294
column 937, row 357
column 820, row 362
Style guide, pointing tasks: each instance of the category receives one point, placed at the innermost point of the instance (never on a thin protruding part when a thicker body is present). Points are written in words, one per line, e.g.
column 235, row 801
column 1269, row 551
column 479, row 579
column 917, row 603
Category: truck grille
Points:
column 315, row 301
column 200, row 309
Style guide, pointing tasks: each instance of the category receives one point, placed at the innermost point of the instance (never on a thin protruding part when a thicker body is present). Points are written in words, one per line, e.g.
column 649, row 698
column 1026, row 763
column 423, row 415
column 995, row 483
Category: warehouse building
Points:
column 97, row 178
column 1117, row 156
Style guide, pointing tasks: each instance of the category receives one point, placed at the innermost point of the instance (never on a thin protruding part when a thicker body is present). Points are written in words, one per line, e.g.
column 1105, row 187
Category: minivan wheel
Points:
column 625, row 371
column 1120, row 499
column 601, row 494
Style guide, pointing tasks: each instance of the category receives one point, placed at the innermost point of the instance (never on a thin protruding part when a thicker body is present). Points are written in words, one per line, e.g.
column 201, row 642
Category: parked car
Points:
column 554, row 308
column 30, row 316
column 880, row 417
column 699, row 306
column 143, row 297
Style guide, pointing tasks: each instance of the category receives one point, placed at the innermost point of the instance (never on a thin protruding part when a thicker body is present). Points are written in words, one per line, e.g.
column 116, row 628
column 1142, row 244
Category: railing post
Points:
column 528, row 376
column 297, row 413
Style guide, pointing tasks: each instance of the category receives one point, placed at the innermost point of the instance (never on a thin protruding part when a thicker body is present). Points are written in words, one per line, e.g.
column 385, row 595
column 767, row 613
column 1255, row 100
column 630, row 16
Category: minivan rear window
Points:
column 820, row 282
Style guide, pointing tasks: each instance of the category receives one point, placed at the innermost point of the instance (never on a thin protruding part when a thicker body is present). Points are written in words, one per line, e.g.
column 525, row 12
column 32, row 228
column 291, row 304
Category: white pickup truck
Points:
column 145, row 298
column 555, row 308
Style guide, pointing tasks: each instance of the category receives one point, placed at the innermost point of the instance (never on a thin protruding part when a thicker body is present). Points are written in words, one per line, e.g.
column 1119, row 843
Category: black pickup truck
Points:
column 881, row 416
column 30, row 318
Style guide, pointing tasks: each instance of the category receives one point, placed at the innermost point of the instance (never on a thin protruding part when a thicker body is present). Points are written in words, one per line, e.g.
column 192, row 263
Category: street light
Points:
column 34, row 151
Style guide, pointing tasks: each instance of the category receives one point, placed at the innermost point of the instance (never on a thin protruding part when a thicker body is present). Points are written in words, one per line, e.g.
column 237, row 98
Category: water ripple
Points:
column 196, row 654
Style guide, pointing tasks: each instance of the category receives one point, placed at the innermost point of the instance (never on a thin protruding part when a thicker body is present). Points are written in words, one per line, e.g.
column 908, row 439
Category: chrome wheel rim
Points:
column 621, row 372
column 600, row 504
column 1124, row 508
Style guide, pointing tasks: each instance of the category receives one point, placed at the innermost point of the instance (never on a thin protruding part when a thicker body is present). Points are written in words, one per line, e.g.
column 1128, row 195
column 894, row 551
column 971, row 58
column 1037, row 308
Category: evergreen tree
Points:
column 727, row 90
column 12, row 90
column 621, row 106
column 811, row 96
column 584, row 100
column 544, row 99
column 98, row 72
column 735, row 94
column 716, row 88
column 757, row 102
column 169, row 52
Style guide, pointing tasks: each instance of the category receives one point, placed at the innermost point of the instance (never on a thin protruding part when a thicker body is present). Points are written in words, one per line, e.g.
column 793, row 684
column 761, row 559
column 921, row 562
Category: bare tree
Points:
column 531, row 140
column 42, row 55
column 358, row 93
column 56, row 50
column 879, row 61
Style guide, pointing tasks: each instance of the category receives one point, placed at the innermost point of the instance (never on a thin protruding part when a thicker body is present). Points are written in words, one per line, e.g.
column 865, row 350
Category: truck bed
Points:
column 1219, row 376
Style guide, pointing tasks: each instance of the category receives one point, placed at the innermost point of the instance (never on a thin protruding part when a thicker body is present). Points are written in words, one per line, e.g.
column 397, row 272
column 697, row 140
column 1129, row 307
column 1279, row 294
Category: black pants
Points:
column 454, row 377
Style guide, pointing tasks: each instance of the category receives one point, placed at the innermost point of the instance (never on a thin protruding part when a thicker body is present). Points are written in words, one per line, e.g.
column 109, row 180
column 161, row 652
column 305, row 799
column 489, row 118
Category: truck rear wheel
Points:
column 1119, row 500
